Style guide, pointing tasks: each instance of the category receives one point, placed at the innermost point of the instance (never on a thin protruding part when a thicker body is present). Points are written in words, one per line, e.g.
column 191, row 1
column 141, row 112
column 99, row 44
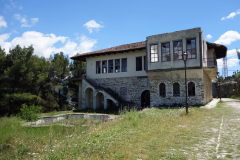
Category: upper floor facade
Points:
column 158, row 53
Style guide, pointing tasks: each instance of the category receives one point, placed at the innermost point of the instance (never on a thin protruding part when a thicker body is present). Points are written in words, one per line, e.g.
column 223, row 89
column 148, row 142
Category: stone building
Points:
column 151, row 72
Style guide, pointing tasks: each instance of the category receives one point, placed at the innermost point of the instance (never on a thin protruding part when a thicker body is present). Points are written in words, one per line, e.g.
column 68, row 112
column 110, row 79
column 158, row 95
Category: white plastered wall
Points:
column 171, row 37
column 131, row 65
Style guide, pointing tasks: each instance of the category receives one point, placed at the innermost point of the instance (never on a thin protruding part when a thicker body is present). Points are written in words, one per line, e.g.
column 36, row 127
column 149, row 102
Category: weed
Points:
column 22, row 149
column 29, row 113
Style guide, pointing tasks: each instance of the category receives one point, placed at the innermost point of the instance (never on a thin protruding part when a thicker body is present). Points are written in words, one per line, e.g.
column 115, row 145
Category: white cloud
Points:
column 86, row 44
column 231, row 15
column 92, row 25
column 43, row 44
column 34, row 20
column 209, row 36
column 3, row 23
column 231, row 53
column 228, row 37
column 231, row 62
column 3, row 44
column 17, row 16
column 24, row 21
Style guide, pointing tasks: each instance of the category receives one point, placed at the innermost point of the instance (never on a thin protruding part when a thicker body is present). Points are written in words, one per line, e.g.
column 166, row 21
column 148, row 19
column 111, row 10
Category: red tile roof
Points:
column 121, row 48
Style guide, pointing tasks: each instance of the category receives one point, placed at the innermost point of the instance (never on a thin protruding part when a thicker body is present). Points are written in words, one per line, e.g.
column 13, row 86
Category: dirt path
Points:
column 221, row 134
column 229, row 143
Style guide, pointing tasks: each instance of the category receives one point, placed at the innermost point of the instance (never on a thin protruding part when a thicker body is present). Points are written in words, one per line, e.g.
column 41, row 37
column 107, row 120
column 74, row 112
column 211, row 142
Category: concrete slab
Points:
column 211, row 104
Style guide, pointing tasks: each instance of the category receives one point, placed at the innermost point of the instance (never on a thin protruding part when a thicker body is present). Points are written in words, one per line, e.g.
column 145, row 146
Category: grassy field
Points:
column 149, row 134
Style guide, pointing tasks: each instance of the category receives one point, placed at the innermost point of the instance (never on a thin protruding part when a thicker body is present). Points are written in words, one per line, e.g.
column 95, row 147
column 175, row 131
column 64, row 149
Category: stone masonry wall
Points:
column 156, row 78
column 129, row 88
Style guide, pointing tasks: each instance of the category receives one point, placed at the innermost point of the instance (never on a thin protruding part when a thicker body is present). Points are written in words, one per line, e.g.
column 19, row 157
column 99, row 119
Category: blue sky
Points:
column 82, row 26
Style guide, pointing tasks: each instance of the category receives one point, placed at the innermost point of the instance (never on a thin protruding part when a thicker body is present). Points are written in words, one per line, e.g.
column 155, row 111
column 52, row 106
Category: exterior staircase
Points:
column 109, row 91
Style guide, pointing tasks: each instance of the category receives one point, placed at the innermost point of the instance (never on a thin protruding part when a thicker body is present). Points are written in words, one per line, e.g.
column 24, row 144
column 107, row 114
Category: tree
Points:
column 59, row 72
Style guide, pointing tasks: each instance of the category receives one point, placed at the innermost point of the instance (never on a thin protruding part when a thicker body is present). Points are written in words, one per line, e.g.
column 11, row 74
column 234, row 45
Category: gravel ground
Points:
column 224, row 142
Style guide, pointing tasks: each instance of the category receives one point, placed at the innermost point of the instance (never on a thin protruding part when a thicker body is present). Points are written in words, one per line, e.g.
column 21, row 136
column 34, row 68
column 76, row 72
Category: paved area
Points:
column 229, row 147
column 224, row 142
column 211, row 104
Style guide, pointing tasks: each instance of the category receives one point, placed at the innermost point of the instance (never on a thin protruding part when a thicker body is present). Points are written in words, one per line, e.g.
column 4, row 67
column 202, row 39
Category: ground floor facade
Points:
column 159, row 88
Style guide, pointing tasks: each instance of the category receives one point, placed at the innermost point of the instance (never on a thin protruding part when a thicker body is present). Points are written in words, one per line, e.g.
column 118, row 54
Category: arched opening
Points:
column 176, row 89
column 191, row 89
column 111, row 105
column 100, row 100
column 145, row 99
column 162, row 90
column 89, row 98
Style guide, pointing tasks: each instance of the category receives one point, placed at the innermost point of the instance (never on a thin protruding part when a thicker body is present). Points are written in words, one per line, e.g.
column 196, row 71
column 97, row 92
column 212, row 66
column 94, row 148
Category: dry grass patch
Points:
column 149, row 134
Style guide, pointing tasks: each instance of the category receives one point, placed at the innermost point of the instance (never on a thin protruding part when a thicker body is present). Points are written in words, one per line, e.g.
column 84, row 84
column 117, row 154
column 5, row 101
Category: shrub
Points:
column 29, row 113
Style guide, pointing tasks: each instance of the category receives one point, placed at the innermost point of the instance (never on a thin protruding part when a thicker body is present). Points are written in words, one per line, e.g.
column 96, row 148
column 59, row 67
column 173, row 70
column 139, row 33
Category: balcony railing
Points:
column 209, row 62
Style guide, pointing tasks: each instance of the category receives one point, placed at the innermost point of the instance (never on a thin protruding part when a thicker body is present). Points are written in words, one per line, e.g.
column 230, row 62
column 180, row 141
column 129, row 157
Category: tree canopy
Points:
column 28, row 79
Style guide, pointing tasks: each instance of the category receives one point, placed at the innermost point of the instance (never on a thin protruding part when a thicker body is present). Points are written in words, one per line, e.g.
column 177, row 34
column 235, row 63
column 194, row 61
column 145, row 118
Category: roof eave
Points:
column 220, row 50
column 83, row 57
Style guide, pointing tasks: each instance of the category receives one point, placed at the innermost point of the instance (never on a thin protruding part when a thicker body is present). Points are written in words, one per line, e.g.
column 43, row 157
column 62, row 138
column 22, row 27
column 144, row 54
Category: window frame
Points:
column 99, row 67
column 165, row 52
column 144, row 63
column 191, row 92
column 109, row 66
column 154, row 53
column 162, row 91
column 140, row 60
column 119, row 66
column 193, row 38
column 123, row 65
column 177, row 50
column 104, row 67
column 176, row 91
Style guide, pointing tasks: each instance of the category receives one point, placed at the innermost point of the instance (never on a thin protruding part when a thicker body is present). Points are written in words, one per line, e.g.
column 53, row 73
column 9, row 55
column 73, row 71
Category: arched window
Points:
column 162, row 90
column 176, row 90
column 191, row 89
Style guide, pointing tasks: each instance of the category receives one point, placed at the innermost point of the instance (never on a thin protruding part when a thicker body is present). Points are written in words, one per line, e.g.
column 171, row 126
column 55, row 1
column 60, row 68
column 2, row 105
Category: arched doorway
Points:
column 145, row 99
column 111, row 105
column 100, row 100
column 89, row 98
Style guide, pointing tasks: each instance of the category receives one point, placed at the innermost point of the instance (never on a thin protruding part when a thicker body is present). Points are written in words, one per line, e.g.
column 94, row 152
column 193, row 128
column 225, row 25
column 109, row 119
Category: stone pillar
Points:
column 94, row 100
column 80, row 95
column 105, row 102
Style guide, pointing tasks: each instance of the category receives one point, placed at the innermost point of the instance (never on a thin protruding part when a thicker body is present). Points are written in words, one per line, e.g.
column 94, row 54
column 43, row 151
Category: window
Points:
column 176, row 90
column 177, row 50
column 191, row 89
column 162, row 90
column 98, row 67
column 165, row 52
column 117, row 65
column 104, row 66
column 124, row 65
column 191, row 48
column 110, row 66
column 138, row 63
column 145, row 62
column 154, row 53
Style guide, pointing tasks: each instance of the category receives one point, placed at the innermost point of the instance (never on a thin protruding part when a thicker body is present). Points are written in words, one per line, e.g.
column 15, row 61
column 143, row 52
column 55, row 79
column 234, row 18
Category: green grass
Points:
column 234, row 97
column 53, row 113
column 149, row 134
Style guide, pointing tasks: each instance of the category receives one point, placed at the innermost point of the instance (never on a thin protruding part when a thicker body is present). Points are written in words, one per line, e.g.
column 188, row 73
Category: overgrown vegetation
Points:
column 30, row 113
column 28, row 79
column 148, row 134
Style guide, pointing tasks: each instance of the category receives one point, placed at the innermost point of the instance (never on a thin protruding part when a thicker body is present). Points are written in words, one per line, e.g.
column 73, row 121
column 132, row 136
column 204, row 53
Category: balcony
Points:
column 209, row 63
column 210, row 67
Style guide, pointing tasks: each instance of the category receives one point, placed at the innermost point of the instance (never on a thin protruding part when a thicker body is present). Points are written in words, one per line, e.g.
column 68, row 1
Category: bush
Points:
column 29, row 113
